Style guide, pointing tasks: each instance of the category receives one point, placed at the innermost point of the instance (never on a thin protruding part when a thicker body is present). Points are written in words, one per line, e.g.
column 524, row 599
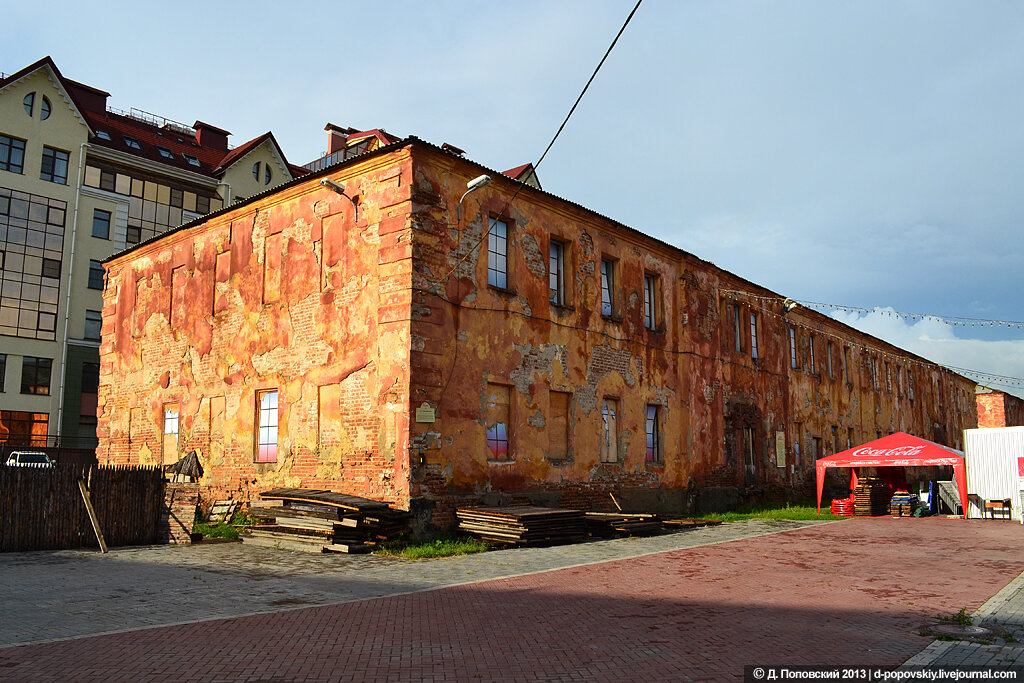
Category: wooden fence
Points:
column 42, row 508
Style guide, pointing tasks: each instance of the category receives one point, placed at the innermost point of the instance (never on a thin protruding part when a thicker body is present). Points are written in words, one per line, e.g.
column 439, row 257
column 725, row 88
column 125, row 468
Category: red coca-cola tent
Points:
column 896, row 450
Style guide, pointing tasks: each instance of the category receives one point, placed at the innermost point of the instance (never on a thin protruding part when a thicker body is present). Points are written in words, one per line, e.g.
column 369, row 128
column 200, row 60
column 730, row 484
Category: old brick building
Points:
column 999, row 409
column 532, row 349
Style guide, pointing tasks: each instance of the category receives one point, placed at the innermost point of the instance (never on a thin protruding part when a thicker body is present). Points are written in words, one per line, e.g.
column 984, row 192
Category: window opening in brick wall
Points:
column 653, row 435
column 749, row 459
column 3, row 370
column 266, row 437
column 609, row 440
column 737, row 329
column 814, row 369
column 846, row 364
column 170, row 438
column 651, row 287
column 498, row 416
column 753, row 336
column 607, row 287
column 792, row 348
column 558, row 425
column 556, row 273
column 829, row 350
column 497, row 254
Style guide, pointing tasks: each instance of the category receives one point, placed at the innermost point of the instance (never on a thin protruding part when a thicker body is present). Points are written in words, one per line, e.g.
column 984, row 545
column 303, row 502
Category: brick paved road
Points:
column 855, row 592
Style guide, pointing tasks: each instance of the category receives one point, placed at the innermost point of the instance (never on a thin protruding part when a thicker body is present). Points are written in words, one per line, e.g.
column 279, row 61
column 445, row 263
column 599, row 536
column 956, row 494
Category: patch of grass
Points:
column 443, row 546
column 216, row 530
column 228, row 530
column 798, row 511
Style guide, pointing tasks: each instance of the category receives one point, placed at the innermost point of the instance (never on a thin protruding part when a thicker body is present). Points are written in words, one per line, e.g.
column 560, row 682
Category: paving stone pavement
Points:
column 669, row 608
column 51, row 595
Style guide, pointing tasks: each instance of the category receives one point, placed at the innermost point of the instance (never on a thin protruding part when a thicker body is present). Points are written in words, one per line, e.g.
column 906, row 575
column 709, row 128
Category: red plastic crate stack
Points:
column 842, row 506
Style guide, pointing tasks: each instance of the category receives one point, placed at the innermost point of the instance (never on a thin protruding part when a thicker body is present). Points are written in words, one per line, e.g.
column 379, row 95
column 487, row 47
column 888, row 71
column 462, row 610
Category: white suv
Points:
column 29, row 459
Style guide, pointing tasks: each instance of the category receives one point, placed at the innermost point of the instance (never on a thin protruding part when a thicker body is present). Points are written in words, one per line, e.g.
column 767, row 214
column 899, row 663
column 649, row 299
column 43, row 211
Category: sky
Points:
column 868, row 154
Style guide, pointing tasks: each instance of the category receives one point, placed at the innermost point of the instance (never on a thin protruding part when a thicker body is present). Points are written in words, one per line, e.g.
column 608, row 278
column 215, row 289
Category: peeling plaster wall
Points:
column 467, row 334
column 386, row 344
column 287, row 293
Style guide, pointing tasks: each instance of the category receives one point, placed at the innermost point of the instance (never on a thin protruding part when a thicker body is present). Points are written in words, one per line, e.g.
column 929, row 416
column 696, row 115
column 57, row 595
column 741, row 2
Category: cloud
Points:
column 938, row 342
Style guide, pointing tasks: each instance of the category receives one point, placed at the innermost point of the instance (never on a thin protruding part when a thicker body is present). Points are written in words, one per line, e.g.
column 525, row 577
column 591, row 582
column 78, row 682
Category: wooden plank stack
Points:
column 871, row 498
column 315, row 520
column 621, row 523
column 903, row 504
column 689, row 523
column 523, row 524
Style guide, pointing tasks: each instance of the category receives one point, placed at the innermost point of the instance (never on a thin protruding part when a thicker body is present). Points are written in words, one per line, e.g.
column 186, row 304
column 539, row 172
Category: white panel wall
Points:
column 992, row 472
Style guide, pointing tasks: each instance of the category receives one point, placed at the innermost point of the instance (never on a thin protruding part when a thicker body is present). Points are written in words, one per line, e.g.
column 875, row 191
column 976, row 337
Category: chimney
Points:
column 211, row 137
column 336, row 137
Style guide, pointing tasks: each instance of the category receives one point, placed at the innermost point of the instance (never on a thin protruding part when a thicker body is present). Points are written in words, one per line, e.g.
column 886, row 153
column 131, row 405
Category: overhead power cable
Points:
column 547, row 149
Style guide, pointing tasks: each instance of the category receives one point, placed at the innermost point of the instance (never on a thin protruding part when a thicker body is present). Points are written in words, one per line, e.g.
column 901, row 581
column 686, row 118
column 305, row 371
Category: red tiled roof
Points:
column 385, row 137
column 91, row 102
column 519, row 172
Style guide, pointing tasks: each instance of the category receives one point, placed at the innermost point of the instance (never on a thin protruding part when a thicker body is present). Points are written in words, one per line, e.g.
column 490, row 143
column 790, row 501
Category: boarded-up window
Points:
column 179, row 282
column 497, row 421
column 329, row 417
column 220, row 286
column 272, row 268
column 170, row 438
column 558, row 425
column 609, row 437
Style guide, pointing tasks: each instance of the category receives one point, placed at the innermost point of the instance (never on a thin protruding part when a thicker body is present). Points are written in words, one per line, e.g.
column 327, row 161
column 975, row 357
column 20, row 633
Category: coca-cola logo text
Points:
column 898, row 452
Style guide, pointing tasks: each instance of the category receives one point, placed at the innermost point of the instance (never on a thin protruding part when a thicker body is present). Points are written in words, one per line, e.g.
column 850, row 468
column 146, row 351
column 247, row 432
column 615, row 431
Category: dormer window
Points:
column 191, row 160
column 164, row 152
column 103, row 135
column 130, row 142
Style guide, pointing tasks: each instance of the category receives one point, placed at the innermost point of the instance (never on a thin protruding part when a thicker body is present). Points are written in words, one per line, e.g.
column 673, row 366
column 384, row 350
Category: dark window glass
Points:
column 165, row 153
column 3, row 369
column 203, row 204
column 108, row 180
column 191, row 159
column 134, row 234
column 103, row 135
column 35, row 375
column 256, row 171
column 12, row 154
column 51, row 268
column 90, row 378
column 93, row 323
column 266, row 174
column 101, row 224
column 130, row 142
column 29, row 103
column 95, row 275
column 55, row 166
column 44, row 109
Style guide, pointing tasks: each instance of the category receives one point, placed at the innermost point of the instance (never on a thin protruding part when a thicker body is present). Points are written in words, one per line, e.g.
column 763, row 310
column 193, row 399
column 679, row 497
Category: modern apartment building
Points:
column 80, row 181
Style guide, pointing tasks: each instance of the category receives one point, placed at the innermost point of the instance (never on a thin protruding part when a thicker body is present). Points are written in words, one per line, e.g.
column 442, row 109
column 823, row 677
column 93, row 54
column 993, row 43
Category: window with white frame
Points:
column 651, row 302
column 497, row 254
column 556, row 273
column 607, row 287
column 753, row 336
column 266, row 438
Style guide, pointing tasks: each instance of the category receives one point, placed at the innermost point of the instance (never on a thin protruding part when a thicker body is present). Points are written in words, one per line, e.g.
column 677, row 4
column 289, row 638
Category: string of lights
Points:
column 778, row 307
